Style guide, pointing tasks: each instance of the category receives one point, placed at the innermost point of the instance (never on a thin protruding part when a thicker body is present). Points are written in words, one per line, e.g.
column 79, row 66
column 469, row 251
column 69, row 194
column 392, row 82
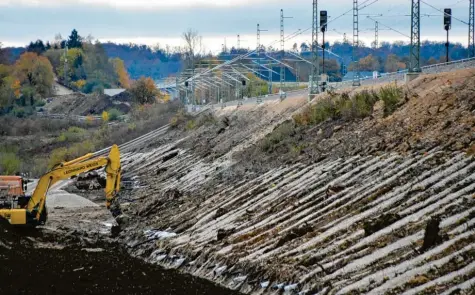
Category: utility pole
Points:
column 356, row 77
column 415, row 54
column 323, row 28
column 376, row 35
column 282, row 45
column 270, row 80
column 471, row 30
column 282, row 52
column 314, row 87
column 258, row 48
column 259, row 39
column 177, row 90
column 65, row 65
column 447, row 27
column 238, row 42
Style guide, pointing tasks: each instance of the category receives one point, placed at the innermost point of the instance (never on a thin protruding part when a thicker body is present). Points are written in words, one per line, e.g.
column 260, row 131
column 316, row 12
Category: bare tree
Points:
column 193, row 46
column 295, row 48
column 89, row 39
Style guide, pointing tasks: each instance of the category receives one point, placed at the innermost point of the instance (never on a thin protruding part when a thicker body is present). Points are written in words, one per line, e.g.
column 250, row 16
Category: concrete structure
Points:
column 113, row 91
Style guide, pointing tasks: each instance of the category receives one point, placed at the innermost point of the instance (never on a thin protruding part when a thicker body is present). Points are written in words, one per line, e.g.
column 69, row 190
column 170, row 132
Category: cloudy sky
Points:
column 163, row 21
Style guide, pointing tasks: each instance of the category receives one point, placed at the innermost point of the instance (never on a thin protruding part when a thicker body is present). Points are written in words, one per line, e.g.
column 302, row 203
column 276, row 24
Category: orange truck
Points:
column 12, row 186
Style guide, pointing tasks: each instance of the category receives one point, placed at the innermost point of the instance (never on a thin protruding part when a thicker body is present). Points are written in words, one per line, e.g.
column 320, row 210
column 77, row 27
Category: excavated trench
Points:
column 33, row 261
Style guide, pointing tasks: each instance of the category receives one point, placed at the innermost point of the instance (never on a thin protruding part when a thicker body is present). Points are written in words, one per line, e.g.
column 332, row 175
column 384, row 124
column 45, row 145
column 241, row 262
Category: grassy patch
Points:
column 347, row 107
column 64, row 154
column 179, row 119
column 114, row 114
column 73, row 134
column 391, row 95
column 187, row 122
column 276, row 137
column 190, row 125
column 9, row 161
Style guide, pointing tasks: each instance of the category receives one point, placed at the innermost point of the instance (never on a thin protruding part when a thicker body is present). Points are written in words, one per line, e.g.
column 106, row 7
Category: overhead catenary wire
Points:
column 291, row 36
column 390, row 28
column 462, row 21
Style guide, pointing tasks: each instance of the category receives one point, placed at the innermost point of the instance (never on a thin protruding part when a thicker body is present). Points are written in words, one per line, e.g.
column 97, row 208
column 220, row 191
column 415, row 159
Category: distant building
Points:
column 113, row 92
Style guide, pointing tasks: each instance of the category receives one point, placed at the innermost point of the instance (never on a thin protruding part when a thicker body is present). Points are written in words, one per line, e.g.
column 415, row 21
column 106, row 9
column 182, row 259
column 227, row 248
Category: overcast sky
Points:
column 163, row 21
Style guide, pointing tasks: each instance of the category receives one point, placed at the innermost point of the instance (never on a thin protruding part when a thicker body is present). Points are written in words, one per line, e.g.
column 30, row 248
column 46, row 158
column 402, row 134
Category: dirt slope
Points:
column 347, row 214
column 83, row 105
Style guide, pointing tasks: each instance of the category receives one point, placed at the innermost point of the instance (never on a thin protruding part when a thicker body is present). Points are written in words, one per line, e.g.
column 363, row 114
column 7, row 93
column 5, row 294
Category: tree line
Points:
column 27, row 80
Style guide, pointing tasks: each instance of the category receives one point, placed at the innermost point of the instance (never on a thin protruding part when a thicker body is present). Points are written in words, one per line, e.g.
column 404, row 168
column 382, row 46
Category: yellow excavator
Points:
column 31, row 210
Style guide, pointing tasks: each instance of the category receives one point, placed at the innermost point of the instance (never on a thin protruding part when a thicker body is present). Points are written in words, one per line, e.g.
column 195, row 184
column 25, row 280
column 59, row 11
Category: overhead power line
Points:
column 291, row 36
column 390, row 28
column 462, row 21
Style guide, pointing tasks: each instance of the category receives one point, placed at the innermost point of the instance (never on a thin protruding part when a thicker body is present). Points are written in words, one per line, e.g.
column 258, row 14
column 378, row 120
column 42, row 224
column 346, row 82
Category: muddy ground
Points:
column 41, row 262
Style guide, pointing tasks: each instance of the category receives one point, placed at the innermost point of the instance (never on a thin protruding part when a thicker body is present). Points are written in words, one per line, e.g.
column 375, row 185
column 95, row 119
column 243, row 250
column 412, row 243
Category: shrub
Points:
column 22, row 112
column 114, row 114
column 80, row 149
column 105, row 116
column 57, row 157
column 40, row 103
column 178, row 119
column 38, row 167
column 9, row 163
column 316, row 113
column 343, row 106
column 190, row 125
column 98, row 89
column 62, row 154
column 391, row 95
column 362, row 105
column 284, row 130
column 73, row 134
column 144, row 90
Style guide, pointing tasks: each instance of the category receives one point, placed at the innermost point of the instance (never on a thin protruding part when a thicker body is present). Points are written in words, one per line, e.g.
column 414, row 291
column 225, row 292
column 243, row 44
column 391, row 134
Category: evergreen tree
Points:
column 37, row 47
column 74, row 41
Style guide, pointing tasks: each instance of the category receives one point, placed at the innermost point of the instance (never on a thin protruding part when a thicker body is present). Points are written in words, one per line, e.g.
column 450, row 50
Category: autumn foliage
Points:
column 35, row 71
column 144, row 90
column 124, row 79
column 24, row 84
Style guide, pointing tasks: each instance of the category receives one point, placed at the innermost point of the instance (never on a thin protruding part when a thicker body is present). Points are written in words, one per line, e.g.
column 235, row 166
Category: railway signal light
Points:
column 323, row 20
column 447, row 18
column 447, row 26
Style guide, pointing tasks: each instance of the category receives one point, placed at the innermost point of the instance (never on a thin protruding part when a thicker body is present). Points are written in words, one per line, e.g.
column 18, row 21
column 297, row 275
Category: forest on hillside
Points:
column 27, row 80
column 164, row 61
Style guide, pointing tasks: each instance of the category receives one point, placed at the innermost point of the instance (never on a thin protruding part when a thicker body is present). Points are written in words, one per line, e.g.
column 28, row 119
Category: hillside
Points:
column 369, row 191
column 368, row 206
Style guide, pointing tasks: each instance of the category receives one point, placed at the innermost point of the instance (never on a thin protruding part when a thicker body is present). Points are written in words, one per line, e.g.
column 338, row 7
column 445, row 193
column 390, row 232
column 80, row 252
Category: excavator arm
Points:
column 35, row 210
